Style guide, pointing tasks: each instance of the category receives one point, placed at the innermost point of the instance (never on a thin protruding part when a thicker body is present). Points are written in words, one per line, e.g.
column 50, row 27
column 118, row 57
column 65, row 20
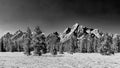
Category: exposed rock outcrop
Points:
column 68, row 32
column 17, row 35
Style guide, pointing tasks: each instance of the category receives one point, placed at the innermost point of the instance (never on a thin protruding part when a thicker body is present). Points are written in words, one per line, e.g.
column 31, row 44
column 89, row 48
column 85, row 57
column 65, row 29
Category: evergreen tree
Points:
column 29, row 32
column 52, row 41
column 38, row 41
column 1, row 45
column 27, row 41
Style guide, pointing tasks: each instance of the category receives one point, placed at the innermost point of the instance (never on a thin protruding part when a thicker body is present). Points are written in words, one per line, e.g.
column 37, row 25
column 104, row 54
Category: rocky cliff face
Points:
column 68, row 32
column 79, row 31
column 17, row 35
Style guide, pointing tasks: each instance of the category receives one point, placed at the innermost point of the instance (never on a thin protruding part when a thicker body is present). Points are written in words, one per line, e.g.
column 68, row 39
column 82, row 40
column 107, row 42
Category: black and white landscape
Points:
column 59, row 34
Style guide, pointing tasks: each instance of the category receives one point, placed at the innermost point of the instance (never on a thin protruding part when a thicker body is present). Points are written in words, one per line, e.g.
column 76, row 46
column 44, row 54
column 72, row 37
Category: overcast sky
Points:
column 56, row 15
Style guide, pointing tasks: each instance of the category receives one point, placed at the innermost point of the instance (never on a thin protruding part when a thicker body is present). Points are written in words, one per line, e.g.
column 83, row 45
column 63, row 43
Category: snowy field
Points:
column 77, row 60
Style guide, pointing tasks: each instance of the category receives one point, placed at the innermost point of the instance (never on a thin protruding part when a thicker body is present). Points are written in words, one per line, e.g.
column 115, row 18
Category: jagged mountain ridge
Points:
column 17, row 35
column 80, row 30
column 66, row 33
column 7, row 35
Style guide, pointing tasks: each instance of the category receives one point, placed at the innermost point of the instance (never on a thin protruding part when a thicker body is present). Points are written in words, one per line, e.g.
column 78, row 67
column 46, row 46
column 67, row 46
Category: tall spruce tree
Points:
column 29, row 33
column 27, row 41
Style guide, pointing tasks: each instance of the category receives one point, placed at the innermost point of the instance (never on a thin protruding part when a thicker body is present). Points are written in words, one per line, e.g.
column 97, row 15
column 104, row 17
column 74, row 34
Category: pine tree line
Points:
column 81, row 40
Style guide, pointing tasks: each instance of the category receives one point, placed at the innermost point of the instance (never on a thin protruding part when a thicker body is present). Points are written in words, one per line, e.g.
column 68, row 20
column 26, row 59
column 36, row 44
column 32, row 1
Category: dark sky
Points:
column 56, row 15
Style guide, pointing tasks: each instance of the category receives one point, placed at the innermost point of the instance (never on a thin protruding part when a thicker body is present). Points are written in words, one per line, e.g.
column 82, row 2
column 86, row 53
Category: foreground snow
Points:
column 77, row 60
